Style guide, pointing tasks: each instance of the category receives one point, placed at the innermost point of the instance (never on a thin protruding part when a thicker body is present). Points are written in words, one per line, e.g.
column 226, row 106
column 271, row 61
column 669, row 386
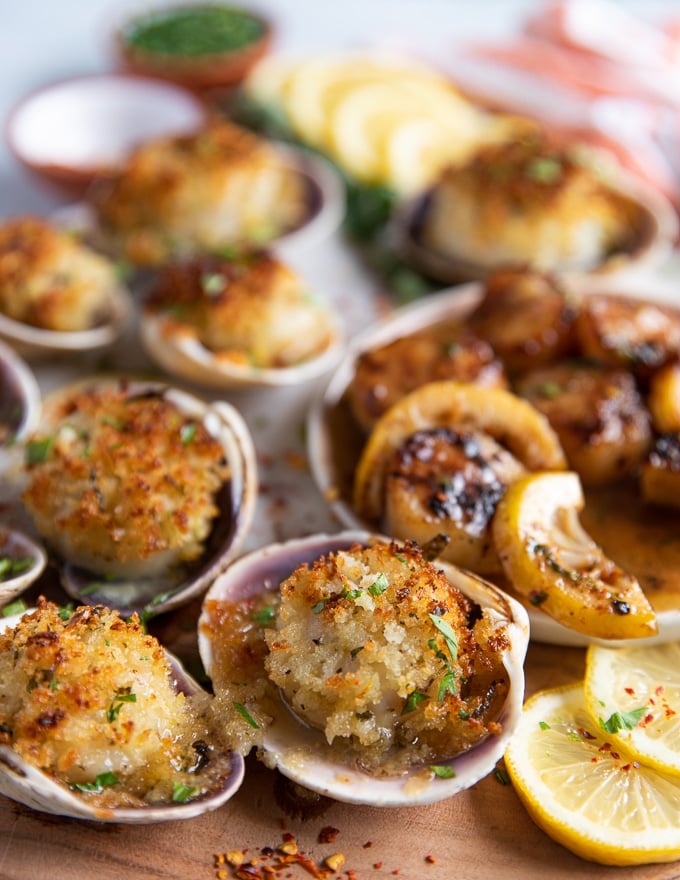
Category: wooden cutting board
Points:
column 479, row 834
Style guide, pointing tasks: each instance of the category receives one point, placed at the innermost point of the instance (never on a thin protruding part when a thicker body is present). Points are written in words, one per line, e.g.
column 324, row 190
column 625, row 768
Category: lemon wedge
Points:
column 593, row 798
column 636, row 691
column 551, row 560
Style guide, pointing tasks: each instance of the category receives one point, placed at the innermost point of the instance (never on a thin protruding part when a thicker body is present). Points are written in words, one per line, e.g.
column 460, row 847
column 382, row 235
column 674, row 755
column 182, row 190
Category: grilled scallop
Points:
column 236, row 318
column 663, row 398
column 98, row 722
column 527, row 317
column 361, row 670
column 660, row 473
column 444, row 481
column 180, row 195
column 383, row 375
column 597, row 413
column 439, row 460
column 528, row 203
column 628, row 333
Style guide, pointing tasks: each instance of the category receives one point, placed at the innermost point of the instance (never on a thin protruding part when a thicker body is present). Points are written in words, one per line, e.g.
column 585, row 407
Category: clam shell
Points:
column 182, row 354
column 325, row 206
column 19, row 393
column 654, row 242
column 35, row 342
column 18, row 545
column 161, row 592
column 301, row 753
column 26, row 784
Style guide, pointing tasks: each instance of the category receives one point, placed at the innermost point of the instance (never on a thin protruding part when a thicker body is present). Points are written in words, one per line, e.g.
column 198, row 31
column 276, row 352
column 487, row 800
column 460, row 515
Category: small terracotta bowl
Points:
column 200, row 71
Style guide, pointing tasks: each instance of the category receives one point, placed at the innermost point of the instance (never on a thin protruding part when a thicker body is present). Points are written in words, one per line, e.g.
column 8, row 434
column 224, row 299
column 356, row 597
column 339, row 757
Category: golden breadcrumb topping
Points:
column 89, row 698
column 529, row 202
column 182, row 194
column 375, row 648
column 248, row 307
column 51, row 280
column 117, row 477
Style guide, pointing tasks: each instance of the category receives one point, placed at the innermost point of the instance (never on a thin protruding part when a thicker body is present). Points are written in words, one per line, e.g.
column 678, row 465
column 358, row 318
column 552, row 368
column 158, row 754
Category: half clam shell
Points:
column 160, row 586
column 300, row 752
column 34, row 788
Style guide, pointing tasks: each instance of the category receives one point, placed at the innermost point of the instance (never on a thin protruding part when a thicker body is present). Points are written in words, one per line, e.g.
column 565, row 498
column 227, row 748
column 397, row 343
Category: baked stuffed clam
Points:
column 98, row 722
column 365, row 672
column 239, row 317
column 178, row 196
column 143, row 491
column 56, row 293
column 531, row 203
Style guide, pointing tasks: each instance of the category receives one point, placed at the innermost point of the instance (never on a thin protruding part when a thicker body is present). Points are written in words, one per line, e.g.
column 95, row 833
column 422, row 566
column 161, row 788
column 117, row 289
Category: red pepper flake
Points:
column 396, row 871
column 377, row 866
column 296, row 461
column 368, row 844
column 659, row 690
column 430, row 860
column 328, row 834
column 630, row 691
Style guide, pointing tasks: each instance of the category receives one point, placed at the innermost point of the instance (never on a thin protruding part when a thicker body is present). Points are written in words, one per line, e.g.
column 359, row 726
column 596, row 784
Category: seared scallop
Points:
column 660, row 473
column 383, row 375
column 51, row 280
column 245, row 308
column 663, row 398
column 529, row 203
column 179, row 195
column 122, row 481
column 527, row 317
column 597, row 413
column 629, row 333
column 448, row 482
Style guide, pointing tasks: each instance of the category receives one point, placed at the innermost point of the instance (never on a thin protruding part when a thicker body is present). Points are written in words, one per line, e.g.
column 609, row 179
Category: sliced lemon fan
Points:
column 551, row 560
column 591, row 797
column 636, row 693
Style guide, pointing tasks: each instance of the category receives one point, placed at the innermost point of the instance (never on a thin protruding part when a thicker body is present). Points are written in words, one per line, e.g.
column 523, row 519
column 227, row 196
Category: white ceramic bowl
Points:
column 73, row 130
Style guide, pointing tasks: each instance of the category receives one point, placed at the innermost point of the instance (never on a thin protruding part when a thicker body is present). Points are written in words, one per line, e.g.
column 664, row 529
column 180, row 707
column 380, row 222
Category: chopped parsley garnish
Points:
column 264, row 616
column 501, row 776
column 122, row 696
column 413, row 700
column 213, row 283
column 38, row 451
column 548, row 389
column 66, row 611
column 104, row 780
column 442, row 771
column 543, row 169
column 241, row 709
column 113, row 422
column 448, row 682
column 181, row 793
column 537, row 597
column 350, row 594
column 544, row 725
column 187, row 433
column 356, row 650
column 319, row 607
column 379, row 585
column 16, row 607
column 10, row 567
column 622, row 720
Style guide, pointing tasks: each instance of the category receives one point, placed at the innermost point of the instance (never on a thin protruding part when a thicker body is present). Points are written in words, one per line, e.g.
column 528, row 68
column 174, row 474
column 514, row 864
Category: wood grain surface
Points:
column 479, row 834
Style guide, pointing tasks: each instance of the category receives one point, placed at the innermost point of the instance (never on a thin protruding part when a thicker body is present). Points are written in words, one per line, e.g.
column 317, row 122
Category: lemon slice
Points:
column 594, row 799
column 636, row 691
column 313, row 87
column 415, row 153
column 550, row 559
